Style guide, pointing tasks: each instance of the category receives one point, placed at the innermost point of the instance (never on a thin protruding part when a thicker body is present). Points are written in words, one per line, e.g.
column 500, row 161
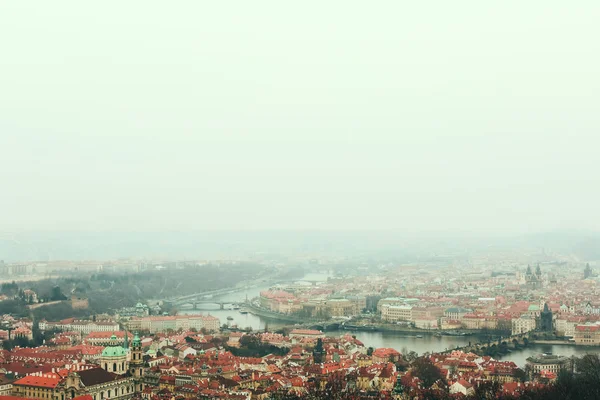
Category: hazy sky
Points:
column 148, row 115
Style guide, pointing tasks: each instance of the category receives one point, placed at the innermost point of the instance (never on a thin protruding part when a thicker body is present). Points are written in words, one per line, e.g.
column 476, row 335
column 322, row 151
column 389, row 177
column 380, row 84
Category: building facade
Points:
column 587, row 335
column 396, row 313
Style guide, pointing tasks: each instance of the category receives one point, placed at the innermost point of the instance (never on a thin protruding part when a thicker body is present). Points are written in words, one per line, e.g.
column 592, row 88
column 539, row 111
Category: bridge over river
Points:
column 209, row 297
column 195, row 303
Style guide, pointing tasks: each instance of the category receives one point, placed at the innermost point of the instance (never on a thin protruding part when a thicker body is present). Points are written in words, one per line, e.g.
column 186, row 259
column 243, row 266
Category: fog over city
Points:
column 276, row 200
column 149, row 117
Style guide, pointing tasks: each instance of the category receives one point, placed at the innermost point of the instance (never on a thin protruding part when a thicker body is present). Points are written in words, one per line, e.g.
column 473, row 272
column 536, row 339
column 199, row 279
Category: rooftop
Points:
column 548, row 359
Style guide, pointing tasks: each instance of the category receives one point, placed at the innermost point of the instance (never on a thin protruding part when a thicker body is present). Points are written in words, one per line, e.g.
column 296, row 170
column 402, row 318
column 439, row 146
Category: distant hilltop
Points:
column 47, row 246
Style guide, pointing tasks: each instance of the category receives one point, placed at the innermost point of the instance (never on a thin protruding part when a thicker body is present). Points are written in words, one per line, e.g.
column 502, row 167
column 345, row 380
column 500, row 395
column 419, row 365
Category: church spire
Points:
column 398, row 390
column 126, row 342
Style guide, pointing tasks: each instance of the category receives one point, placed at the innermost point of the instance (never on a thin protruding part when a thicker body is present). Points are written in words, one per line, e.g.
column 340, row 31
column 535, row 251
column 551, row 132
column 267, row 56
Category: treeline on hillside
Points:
column 19, row 300
column 178, row 281
column 107, row 292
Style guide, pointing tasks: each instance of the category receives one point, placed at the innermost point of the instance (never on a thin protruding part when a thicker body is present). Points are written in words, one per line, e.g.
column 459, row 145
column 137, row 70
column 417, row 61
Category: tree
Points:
column 370, row 351
column 249, row 341
column 520, row 375
column 587, row 382
column 487, row 390
column 452, row 369
column 13, row 307
column 9, row 289
column 410, row 356
column 56, row 294
column 428, row 373
column 588, row 367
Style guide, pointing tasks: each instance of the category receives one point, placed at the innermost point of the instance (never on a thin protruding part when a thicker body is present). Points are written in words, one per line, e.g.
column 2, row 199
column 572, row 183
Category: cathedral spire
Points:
column 126, row 342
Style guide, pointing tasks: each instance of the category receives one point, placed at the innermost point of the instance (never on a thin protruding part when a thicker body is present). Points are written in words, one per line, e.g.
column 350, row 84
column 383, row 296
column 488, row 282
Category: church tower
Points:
column 318, row 352
column 398, row 393
column 533, row 280
column 136, row 363
column 587, row 272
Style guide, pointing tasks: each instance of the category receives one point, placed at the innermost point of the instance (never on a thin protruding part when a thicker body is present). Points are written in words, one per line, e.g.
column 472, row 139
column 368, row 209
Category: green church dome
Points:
column 114, row 351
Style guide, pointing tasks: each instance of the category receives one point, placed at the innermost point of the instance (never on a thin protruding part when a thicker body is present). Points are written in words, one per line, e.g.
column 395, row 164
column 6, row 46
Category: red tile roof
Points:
column 385, row 352
column 464, row 383
column 587, row 328
column 107, row 334
column 305, row 332
column 84, row 397
column 46, row 381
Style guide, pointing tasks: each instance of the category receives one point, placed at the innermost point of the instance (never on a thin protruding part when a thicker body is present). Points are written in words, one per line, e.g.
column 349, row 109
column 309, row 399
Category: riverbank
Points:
column 563, row 342
column 593, row 347
column 393, row 328
column 261, row 312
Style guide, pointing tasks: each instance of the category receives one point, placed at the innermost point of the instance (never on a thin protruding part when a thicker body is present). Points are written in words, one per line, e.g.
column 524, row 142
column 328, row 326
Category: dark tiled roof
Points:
column 96, row 376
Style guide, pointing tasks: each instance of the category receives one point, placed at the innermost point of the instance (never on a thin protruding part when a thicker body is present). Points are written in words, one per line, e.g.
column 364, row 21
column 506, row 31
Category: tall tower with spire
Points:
column 546, row 319
column 136, row 363
column 587, row 272
column 398, row 392
column 318, row 352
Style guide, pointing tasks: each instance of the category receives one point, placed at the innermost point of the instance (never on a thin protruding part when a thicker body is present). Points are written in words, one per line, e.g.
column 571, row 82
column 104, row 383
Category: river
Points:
column 248, row 320
column 398, row 341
